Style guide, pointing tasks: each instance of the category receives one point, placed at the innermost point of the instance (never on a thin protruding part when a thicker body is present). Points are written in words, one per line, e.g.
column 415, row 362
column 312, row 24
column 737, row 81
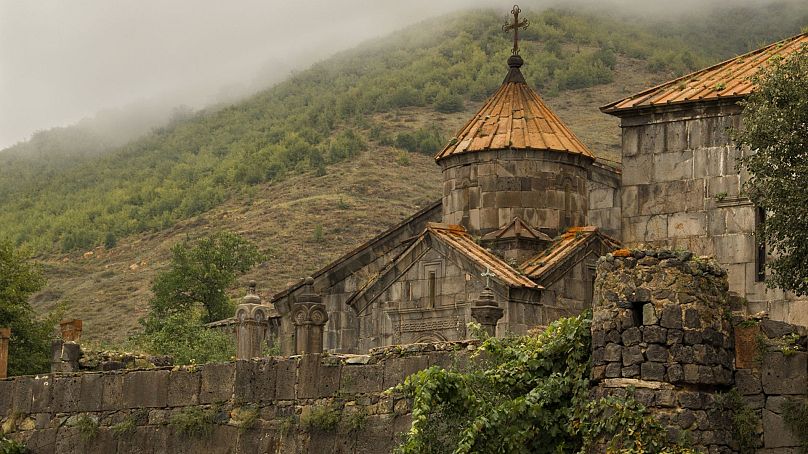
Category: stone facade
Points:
column 682, row 188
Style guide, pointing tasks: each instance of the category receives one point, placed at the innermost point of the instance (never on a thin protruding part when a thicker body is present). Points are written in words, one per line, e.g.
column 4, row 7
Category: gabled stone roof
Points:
column 730, row 79
column 516, row 118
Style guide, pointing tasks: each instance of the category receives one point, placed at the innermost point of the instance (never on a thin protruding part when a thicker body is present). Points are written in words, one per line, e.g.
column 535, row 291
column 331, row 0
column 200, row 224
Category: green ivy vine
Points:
column 530, row 394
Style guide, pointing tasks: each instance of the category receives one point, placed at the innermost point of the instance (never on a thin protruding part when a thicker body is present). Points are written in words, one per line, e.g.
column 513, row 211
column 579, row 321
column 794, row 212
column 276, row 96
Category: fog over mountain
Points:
column 63, row 61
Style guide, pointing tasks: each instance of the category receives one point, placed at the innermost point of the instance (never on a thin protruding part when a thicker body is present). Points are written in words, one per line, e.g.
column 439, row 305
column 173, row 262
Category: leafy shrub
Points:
column 87, row 427
column 194, row 421
column 9, row 446
column 531, row 397
column 447, row 102
column 182, row 336
column 324, row 418
column 423, row 140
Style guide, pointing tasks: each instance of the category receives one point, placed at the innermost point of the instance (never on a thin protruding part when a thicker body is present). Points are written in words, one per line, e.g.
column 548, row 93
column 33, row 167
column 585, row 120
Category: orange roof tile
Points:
column 726, row 80
column 514, row 117
column 564, row 245
column 456, row 237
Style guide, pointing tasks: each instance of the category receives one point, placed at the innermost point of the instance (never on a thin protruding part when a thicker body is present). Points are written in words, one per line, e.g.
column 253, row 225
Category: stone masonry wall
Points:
column 275, row 405
column 660, row 326
column 682, row 188
column 485, row 191
column 771, row 371
column 663, row 331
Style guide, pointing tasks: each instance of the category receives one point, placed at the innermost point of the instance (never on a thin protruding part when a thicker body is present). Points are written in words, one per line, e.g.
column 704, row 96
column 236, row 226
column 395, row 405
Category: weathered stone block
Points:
column 775, row 432
column 649, row 315
column 216, row 383
column 775, row 329
column 397, row 369
column 613, row 370
column 286, row 374
column 183, row 388
column 113, row 391
column 675, row 373
column 148, row 388
column 6, row 396
column 652, row 371
column 632, row 355
column 92, row 392
column 656, row 353
column 23, row 394
column 654, row 334
column 41, row 394
column 747, row 382
column 673, row 166
column 691, row 373
column 613, row 352
column 362, row 379
column 630, row 371
column 785, row 374
column 671, row 317
column 66, row 394
column 631, row 336
column 691, row 399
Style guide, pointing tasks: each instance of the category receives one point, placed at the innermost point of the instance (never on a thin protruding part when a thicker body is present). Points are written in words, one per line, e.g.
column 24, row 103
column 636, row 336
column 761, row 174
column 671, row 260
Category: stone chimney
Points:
column 309, row 317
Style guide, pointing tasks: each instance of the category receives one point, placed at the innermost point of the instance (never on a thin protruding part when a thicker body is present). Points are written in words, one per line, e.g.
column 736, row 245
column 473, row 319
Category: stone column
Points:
column 5, row 334
column 251, row 326
column 66, row 352
column 487, row 312
column 309, row 316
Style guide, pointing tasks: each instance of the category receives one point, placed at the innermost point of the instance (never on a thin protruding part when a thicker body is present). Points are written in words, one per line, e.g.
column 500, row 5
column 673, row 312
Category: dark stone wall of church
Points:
column 483, row 191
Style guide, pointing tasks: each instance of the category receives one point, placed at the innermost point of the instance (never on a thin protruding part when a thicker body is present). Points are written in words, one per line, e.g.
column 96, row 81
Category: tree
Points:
column 29, row 345
column 775, row 126
column 200, row 274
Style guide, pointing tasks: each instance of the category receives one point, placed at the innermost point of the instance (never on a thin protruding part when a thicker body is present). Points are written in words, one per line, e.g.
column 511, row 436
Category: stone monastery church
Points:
column 527, row 210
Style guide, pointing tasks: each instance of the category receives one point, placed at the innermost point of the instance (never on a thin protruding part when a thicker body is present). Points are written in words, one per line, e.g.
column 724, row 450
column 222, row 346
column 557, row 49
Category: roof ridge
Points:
column 656, row 94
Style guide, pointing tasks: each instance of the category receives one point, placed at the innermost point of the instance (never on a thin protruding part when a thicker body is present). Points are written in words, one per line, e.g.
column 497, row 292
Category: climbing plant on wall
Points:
column 532, row 395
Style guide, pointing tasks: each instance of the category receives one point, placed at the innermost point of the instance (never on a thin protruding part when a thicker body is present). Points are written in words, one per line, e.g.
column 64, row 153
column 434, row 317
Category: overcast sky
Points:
column 63, row 60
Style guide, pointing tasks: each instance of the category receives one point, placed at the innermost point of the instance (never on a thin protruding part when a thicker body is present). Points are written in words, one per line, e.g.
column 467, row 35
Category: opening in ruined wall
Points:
column 636, row 311
column 760, row 244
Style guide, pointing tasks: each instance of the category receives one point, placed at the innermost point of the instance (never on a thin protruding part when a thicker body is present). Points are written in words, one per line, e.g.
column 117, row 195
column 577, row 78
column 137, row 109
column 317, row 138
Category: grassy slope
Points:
column 354, row 201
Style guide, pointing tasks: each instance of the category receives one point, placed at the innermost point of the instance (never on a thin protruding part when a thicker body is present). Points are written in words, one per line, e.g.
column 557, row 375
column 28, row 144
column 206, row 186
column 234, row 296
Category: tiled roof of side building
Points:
column 730, row 79
column 514, row 117
column 562, row 247
column 457, row 238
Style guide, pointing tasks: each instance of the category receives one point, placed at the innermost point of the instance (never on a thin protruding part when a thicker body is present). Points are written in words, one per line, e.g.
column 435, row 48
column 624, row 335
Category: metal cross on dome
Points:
column 488, row 275
column 515, row 26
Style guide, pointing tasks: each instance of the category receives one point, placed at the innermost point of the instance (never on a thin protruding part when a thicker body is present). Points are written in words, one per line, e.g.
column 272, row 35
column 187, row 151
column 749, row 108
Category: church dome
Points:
column 514, row 118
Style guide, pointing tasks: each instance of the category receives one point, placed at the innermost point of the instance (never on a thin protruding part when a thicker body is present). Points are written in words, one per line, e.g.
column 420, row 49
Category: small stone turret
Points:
column 660, row 325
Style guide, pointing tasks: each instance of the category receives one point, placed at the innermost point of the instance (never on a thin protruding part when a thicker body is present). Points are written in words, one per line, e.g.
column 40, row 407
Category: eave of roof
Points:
column 728, row 80
column 564, row 245
column 516, row 118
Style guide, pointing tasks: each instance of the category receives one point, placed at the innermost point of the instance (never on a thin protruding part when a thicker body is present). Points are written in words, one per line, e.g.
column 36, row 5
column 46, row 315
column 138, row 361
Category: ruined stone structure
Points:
column 682, row 186
column 661, row 325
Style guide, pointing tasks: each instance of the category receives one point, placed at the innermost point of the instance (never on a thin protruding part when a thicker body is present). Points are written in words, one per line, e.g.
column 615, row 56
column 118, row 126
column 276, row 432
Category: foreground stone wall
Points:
column 311, row 404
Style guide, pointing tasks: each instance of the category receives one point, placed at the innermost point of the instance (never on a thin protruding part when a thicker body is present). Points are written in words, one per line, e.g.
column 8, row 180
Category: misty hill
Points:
column 342, row 149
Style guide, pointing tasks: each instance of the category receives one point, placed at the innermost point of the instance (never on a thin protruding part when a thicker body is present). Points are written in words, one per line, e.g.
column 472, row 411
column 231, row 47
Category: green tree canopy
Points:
column 200, row 274
column 776, row 128
column 29, row 345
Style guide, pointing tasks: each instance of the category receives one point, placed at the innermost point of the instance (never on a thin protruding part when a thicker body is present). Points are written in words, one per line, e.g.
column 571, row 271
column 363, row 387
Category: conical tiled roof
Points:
column 514, row 117
column 730, row 79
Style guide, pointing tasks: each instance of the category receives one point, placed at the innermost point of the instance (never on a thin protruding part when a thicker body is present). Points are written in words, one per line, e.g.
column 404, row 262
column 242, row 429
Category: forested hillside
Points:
column 317, row 164
column 76, row 193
